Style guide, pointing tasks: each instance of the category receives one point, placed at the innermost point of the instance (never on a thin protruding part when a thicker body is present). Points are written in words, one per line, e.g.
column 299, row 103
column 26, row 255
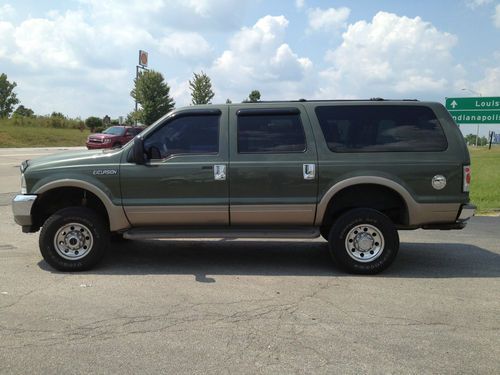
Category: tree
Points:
column 254, row 96
column 8, row 98
column 23, row 111
column 153, row 94
column 131, row 118
column 470, row 139
column 201, row 89
column 228, row 101
column 93, row 122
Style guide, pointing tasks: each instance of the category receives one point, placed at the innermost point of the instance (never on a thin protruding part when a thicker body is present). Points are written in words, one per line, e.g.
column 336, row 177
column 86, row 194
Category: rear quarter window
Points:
column 381, row 128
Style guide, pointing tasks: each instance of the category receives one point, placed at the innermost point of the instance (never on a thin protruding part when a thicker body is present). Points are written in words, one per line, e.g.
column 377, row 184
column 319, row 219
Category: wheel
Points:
column 74, row 239
column 363, row 241
column 117, row 145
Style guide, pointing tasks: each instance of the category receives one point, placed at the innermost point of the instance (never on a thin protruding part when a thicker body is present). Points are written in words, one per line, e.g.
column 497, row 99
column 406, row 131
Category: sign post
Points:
column 143, row 63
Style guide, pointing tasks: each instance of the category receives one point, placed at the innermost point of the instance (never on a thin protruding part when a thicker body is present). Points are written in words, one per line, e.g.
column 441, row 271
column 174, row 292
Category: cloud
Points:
column 496, row 16
column 473, row 4
column 88, row 50
column 259, row 58
column 177, row 14
column 490, row 83
column 299, row 4
column 188, row 45
column 51, row 42
column 328, row 19
column 390, row 54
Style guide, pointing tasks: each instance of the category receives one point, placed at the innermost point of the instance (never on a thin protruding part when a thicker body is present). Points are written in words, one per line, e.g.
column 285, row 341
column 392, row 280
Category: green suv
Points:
column 354, row 172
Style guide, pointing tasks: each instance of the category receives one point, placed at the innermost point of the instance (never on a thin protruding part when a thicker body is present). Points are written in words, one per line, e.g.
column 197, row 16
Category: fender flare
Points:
column 117, row 218
column 411, row 205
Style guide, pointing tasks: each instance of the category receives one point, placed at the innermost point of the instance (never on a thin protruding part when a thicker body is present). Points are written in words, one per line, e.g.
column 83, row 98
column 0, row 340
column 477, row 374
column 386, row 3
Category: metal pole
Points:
column 477, row 134
column 135, row 88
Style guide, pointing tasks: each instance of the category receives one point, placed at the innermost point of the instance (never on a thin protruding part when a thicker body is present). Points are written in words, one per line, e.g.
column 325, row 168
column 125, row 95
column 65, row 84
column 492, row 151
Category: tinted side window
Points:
column 184, row 135
column 271, row 133
column 381, row 128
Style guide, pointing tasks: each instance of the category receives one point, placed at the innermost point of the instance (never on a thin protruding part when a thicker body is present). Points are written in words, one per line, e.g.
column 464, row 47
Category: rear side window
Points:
column 381, row 128
column 270, row 133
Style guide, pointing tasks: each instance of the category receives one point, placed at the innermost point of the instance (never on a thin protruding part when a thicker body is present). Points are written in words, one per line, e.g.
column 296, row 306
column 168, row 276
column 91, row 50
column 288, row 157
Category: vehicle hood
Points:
column 75, row 158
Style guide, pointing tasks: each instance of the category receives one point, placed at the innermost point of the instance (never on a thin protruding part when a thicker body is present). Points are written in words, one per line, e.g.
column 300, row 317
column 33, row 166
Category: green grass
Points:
column 12, row 135
column 485, row 186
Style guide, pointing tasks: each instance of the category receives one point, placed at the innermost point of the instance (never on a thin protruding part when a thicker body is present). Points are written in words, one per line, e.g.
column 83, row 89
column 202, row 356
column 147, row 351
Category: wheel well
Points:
column 53, row 200
column 378, row 197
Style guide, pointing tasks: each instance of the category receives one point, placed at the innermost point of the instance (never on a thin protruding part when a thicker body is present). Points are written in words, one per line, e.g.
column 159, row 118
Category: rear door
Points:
column 273, row 169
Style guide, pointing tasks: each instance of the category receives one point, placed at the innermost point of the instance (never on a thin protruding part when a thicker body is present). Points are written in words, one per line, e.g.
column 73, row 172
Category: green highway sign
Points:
column 476, row 110
column 479, row 103
column 476, row 117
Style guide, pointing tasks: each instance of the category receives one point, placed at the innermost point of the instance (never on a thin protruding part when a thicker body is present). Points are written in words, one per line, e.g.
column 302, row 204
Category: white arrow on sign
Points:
column 453, row 104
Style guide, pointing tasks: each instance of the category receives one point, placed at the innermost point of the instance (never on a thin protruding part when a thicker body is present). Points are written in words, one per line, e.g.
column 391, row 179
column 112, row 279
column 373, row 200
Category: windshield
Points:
column 114, row 130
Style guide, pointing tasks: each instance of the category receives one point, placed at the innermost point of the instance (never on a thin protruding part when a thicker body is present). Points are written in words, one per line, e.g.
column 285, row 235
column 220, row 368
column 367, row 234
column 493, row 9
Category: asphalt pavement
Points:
column 249, row 307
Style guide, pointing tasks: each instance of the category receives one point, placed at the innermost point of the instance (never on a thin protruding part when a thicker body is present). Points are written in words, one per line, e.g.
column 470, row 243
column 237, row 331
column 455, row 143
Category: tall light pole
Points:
column 143, row 63
column 475, row 93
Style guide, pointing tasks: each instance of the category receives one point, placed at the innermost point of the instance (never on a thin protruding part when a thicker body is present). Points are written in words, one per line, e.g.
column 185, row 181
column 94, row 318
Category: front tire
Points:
column 73, row 239
column 363, row 241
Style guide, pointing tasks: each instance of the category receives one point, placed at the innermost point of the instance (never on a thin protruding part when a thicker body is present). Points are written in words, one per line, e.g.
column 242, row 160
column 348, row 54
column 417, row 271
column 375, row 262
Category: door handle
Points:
column 219, row 172
column 309, row 171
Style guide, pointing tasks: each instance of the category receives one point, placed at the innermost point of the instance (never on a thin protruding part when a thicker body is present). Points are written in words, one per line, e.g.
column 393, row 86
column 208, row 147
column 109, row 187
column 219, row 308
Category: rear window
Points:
column 381, row 128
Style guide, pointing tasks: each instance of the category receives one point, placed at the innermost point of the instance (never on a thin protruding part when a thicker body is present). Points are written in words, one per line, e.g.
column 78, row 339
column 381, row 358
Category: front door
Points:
column 273, row 169
column 184, row 179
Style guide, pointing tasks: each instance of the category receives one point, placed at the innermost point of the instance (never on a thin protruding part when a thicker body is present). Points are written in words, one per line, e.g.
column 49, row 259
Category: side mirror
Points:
column 138, row 151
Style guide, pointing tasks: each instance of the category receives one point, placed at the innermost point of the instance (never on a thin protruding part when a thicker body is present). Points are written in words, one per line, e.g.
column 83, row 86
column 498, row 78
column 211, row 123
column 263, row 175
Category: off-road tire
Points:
column 363, row 241
column 94, row 234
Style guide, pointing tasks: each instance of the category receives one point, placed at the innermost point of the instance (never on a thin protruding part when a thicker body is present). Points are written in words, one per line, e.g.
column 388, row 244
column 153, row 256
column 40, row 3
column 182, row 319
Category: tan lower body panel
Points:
column 273, row 214
column 177, row 215
column 430, row 213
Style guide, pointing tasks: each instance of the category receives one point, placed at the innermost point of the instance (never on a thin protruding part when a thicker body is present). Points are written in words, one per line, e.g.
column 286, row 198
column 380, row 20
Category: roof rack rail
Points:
column 301, row 100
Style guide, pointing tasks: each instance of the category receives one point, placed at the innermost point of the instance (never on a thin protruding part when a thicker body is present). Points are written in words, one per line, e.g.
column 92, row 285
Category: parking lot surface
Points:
column 249, row 307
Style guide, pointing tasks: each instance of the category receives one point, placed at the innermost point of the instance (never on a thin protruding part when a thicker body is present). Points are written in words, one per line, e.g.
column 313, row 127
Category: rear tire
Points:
column 74, row 239
column 363, row 241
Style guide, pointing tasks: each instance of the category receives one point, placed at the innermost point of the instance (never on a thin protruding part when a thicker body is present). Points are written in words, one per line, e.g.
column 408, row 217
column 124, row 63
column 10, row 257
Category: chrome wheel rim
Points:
column 364, row 243
column 73, row 241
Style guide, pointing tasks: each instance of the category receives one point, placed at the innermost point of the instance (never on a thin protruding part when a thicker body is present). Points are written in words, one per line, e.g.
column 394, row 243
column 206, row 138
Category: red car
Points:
column 113, row 137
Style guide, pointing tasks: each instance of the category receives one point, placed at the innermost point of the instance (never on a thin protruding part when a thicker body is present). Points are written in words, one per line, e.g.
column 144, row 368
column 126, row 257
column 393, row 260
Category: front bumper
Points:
column 21, row 208
column 98, row 146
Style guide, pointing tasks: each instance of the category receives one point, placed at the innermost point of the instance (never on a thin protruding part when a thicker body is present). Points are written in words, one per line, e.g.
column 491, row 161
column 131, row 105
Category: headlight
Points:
column 107, row 140
column 23, row 184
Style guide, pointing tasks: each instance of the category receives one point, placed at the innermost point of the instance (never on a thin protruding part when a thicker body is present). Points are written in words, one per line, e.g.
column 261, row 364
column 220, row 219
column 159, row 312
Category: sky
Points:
column 79, row 57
